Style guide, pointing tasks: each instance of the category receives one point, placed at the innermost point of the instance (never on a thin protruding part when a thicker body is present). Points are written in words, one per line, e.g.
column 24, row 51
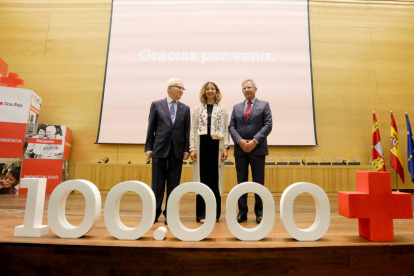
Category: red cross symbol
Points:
column 375, row 205
column 12, row 81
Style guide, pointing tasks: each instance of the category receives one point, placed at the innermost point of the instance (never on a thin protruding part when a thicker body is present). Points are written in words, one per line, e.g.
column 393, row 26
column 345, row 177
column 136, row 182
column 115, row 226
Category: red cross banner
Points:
column 377, row 155
column 395, row 150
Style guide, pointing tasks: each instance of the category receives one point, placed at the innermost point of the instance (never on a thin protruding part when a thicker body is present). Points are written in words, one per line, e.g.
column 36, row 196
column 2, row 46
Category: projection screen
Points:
column 221, row 41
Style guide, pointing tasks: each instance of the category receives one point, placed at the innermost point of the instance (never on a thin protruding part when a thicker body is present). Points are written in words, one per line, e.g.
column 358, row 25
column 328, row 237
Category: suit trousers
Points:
column 165, row 169
column 257, row 164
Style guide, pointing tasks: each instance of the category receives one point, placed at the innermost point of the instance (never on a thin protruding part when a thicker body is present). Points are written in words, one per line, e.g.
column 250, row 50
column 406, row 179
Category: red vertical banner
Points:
column 12, row 139
column 51, row 169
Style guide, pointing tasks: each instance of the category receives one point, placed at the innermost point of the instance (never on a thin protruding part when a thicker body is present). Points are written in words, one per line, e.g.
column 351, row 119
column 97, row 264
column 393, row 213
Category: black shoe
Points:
column 155, row 220
column 199, row 219
column 259, row 219
column 165, row 222
column 241, row 218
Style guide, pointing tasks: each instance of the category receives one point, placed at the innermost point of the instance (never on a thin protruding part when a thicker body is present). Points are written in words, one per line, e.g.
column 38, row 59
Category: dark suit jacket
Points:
column 257, row 126
column 161, row 130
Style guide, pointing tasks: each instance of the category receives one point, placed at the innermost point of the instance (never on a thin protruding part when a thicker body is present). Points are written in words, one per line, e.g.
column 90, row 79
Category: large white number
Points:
column 33, row 227
column 323, row 212
column 173, row 210
column 264, row 228
column 35, row 203
column 112, row 219
column 57, row 203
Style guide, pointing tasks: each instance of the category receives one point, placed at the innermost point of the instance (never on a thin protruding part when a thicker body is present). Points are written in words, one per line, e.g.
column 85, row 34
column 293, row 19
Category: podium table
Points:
column 330, row 178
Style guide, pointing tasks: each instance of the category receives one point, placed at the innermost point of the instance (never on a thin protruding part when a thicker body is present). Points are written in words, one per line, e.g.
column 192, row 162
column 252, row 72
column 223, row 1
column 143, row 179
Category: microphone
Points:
column 105, row 160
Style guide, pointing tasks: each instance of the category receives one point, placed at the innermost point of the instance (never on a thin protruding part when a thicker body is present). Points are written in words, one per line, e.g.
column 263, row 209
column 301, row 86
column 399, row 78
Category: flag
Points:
column 377, row 155
column 395, row 154
column 410, row 149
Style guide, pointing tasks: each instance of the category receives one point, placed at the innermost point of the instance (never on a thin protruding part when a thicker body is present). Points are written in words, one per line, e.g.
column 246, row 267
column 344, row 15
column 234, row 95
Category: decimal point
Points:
column 160, row 233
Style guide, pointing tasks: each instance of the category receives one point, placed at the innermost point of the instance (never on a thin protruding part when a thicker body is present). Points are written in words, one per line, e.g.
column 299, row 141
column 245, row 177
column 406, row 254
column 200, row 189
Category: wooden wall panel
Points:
column 391, row 52
column 341, row 14
column 26, row 29
column 362, row 61
column 342, row 50
column 402, row 16
column 326, row 33
column 22, row 47
column 393, row 36
column 362, row 58
column 81, row 16
column 78, row 31
column 55, row 64
column 84, row 47
column 25, row 14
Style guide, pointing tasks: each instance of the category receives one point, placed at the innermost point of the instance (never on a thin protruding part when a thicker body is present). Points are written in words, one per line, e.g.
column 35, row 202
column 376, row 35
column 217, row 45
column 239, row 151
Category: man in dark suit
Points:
column 168, row 142
column 250, row 124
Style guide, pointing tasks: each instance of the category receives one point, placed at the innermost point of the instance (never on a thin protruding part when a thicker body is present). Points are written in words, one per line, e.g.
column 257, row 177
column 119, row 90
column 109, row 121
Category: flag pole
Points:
column 396, row 174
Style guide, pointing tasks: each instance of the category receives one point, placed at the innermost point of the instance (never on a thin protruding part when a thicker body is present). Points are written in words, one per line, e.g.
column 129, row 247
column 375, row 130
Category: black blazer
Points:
column 257, row 126
column 162, row 132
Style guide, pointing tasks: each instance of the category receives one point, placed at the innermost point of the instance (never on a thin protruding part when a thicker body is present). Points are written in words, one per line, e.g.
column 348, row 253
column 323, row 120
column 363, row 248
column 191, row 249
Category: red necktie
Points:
column 247, row 111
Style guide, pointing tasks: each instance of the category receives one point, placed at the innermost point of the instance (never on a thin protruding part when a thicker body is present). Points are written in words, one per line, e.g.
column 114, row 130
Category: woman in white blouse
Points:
column 209, row 143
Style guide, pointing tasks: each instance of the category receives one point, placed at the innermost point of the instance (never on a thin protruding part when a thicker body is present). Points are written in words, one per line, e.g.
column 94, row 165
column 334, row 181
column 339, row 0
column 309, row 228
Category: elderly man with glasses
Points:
column 168, row 141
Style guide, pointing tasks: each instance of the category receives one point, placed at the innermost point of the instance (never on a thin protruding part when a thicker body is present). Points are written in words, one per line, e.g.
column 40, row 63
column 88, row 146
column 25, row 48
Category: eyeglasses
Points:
column 247, row 88
column 179, row 87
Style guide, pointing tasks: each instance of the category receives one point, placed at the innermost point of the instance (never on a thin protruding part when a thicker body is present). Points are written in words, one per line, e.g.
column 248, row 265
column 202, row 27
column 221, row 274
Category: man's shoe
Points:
column 259, row 219
column 241, row 218
column 155, row 220
column 165, row 222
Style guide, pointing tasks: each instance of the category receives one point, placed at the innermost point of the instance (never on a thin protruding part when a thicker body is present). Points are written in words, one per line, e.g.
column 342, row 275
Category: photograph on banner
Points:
column 44, row 141
column 10, row 169
column 35, row 104
column 54, row 171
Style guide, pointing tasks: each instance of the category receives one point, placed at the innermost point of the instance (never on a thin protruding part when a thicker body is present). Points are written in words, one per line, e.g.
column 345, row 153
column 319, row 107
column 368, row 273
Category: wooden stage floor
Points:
column 340, row 251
